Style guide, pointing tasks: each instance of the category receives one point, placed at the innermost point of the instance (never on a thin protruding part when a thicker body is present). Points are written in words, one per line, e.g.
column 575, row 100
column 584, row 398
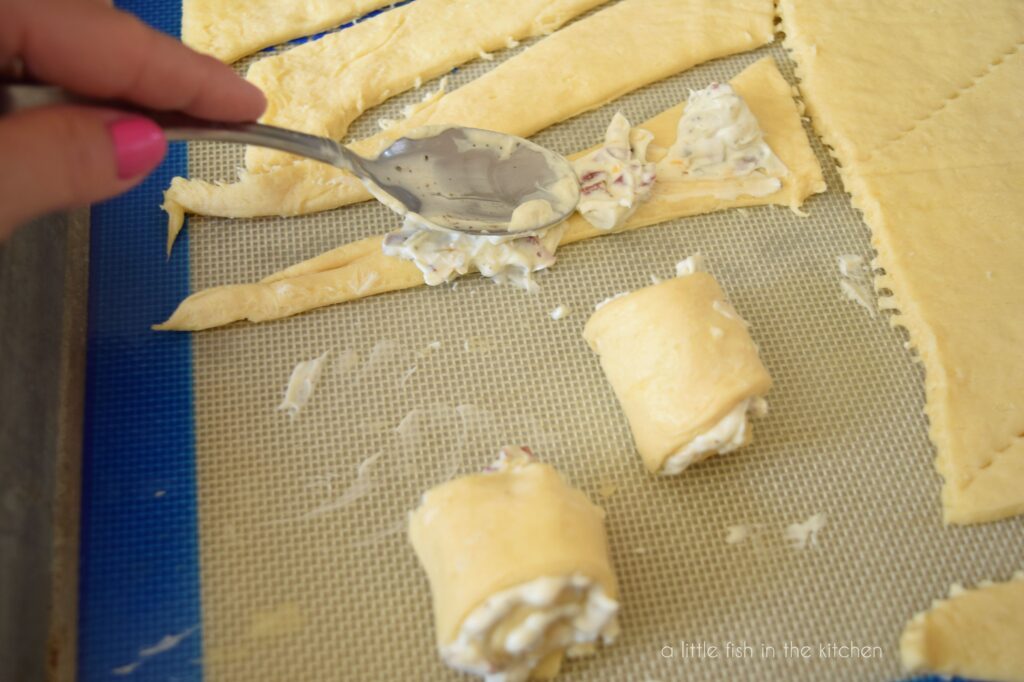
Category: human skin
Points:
column 62, row 157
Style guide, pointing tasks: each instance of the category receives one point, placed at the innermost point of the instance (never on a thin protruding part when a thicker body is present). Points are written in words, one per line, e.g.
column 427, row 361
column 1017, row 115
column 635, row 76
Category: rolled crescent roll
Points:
column 683, row 367
column 519, row 569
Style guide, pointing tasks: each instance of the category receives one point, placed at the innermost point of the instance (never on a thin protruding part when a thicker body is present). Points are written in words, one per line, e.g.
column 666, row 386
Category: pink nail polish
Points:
column 139, row 145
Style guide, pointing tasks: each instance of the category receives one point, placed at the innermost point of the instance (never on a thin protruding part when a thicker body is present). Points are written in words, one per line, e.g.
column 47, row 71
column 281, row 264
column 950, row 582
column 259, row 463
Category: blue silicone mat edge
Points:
column 140, row 612
column 139, row 598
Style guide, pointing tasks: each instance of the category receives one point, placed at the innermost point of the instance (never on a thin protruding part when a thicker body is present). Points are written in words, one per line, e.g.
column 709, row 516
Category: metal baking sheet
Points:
column 223, row 540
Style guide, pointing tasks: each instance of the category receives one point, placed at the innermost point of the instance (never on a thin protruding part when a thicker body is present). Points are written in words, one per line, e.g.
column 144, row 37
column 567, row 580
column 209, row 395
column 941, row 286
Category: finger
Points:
column 62, row 157
column 101, row 52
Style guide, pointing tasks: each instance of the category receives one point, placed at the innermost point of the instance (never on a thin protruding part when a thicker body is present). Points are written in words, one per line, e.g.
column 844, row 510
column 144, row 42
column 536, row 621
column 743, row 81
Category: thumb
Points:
column 63, row 157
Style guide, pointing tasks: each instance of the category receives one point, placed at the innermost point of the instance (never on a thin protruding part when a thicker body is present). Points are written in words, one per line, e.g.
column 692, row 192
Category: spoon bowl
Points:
column 441, row 177
column 473, row 180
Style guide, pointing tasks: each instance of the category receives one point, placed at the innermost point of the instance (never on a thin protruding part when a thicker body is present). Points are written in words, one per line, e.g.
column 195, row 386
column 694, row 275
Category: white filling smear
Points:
column 850, row 265
column 167, row 643
column 512, row 632
column 858, row 293
column 430, row 348
column 301, row 385
column 727, row 435
column 737, row 534
column 511, row 457
column 358, row 489
column 718, row 138
column 805, row 534
column 443, row 256
column 854, row 282
column 725, row 309
column 559, row 312
column 616, row 177
column 384, row 351
column 690, row 265
column 348, row 361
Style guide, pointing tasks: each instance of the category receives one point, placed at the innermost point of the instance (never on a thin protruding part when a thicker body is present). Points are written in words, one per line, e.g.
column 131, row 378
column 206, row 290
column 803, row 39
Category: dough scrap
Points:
column 232, row 29
column 940, row 188
column 583, row 67
column 481, row 534
column 679, row 360
column 975, row 633
column 361, row 269
column 322, row 86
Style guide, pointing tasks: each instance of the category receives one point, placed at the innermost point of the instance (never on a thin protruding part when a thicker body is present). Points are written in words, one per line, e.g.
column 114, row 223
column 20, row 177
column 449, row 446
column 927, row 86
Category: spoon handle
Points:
column 179, row 126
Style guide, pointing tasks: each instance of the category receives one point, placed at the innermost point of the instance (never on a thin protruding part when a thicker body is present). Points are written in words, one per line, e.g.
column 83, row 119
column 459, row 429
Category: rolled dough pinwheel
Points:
column 683, row 366
column 519, row 569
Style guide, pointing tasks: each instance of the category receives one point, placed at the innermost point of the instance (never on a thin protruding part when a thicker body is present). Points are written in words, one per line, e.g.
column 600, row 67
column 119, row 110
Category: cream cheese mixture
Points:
column 718, row 138
column 442, row 256
column 616, row 177
column 511, row 634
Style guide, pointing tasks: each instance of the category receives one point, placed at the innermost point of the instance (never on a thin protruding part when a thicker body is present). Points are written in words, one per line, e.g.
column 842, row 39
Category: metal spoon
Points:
column 451, row 178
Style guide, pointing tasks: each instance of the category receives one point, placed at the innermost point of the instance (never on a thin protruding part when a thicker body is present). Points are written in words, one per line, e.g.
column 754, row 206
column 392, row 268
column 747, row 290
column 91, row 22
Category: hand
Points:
column 67, row 156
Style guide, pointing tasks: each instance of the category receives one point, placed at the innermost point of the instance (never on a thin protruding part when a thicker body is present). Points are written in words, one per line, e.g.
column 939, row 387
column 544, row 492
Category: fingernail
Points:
column 139, row 145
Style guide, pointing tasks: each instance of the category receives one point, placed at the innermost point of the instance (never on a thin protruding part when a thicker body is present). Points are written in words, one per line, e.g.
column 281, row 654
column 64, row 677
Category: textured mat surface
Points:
column 304, row 569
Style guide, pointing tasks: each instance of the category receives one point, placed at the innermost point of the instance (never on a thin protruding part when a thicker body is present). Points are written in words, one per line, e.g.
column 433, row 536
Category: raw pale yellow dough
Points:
column 593, row 61
column 322, row 86
column 976, row 633
column 361, row 269
column 484, row 533
column 231, row 29
column 935, row 160
column 675, row 376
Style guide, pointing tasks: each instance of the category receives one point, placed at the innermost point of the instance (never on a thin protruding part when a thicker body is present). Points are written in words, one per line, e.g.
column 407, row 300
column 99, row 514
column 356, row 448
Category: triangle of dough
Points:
column 583, row 65
column 944, row 202
column 360, row 269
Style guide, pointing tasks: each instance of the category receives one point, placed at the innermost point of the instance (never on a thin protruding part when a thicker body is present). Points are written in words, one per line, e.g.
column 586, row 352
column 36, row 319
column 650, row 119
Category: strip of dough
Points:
column 231, row 29
column 484, row 534
column 361, row 269
column 944, row 203
column 581, row 67
column 322, row 86
column 975, row 633
column 680, row 361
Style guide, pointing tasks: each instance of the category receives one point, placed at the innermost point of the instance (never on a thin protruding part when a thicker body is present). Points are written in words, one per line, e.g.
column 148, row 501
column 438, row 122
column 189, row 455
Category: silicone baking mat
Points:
column 223, row 540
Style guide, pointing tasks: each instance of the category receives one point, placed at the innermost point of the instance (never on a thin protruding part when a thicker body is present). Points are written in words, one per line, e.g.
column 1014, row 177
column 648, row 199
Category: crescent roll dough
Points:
column 324, row 85
column 361, row 269
column 975, row 633
column 683, row 367
column 519, row 569
column 593, row 61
